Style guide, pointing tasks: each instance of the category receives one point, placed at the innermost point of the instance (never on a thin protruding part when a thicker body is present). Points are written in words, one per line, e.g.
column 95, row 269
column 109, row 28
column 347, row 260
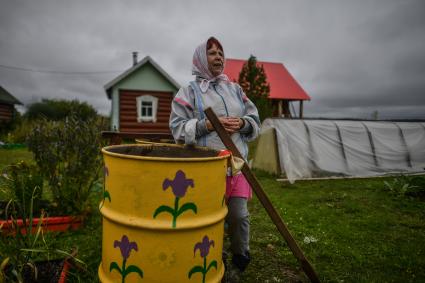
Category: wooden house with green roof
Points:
column 141, row 98
column 7, row 105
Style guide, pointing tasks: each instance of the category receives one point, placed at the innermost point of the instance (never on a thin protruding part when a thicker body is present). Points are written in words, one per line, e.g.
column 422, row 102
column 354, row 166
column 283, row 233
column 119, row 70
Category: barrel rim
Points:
column 150, row 158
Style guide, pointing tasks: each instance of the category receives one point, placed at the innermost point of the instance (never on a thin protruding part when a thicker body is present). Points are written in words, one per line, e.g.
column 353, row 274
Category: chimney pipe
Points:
column 134, row 58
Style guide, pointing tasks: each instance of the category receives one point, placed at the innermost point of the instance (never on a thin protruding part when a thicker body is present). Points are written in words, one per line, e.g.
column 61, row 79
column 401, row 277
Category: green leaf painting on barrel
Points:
column 204, row 250
column 125, row 247
column 179, row 187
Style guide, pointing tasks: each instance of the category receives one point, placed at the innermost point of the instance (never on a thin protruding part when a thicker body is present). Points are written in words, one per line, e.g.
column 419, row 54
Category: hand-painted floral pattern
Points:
column 125, row 247
column 204, row 250
column 179, row 186
column 203, row 247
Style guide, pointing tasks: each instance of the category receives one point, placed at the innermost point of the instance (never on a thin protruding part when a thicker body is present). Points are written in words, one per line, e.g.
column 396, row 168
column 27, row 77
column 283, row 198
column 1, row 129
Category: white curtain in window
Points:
column 147, row 106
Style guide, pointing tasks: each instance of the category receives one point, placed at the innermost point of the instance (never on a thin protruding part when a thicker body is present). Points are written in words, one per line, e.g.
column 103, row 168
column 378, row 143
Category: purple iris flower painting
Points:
column 204, row 246
column 204, row 250
column 179, row 186
column 125, row 247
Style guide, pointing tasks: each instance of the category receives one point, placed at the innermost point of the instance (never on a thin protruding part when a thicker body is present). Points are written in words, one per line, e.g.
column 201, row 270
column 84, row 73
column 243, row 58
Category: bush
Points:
column 68, row 155
column 20, row 132
column 6, row 127
column 59, row 109
column 16, row 131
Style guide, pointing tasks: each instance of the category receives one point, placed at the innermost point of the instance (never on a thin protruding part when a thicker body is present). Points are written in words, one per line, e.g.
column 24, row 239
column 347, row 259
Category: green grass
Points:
column 363, row 233
column 9, row 156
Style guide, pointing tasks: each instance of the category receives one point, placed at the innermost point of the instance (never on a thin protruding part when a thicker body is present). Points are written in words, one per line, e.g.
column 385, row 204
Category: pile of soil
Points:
column 164, row 151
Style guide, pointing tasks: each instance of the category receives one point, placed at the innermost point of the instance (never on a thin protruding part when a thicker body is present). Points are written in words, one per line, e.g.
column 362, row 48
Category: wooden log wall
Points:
column 128, row 112
column 6, row 112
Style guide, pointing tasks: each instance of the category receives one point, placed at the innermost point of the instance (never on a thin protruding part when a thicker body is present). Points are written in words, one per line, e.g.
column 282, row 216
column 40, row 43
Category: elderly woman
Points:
column 238, row 115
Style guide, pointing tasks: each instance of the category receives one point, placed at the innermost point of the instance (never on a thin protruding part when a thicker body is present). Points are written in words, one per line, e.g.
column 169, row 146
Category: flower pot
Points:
column 47, row 271
column 163, row 214
column 58, row 271
column 56, row 224
column 65, row 270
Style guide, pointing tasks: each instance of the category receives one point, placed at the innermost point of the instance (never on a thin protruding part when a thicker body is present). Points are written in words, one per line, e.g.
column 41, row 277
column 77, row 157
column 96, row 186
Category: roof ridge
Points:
column 7, row 97
column 130, row 70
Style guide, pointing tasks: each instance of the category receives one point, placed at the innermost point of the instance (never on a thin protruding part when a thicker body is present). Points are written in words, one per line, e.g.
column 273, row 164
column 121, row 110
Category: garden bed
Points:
column 350, row 230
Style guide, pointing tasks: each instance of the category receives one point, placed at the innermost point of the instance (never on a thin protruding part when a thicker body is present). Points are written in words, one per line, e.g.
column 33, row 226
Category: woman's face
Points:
column 215, row 59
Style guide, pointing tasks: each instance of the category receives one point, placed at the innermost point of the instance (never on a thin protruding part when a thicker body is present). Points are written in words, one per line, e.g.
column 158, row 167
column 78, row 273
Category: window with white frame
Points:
column 147, row 106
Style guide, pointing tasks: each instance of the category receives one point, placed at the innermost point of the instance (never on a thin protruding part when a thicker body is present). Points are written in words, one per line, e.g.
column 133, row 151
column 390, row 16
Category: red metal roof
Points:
column 282, row 84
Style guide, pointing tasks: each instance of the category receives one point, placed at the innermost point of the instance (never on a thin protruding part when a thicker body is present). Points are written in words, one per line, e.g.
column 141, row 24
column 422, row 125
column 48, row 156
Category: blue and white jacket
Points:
column 187, row 119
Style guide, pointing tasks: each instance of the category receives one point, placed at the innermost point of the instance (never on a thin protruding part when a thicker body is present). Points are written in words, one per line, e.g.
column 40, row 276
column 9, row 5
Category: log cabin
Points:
column 141, row 98
column 7, row 106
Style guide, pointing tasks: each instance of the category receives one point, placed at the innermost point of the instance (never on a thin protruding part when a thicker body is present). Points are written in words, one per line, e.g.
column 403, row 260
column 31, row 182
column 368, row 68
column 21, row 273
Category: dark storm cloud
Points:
column 352, row 57
column 379, row 65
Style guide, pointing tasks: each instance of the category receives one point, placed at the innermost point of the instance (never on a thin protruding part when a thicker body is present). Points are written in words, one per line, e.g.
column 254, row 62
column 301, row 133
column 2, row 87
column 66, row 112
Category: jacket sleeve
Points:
column 184, row 123
column 252, row 126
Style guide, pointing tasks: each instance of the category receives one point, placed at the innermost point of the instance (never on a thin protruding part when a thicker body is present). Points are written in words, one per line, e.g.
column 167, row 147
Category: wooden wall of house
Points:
column 128, row 112
column 6, row 112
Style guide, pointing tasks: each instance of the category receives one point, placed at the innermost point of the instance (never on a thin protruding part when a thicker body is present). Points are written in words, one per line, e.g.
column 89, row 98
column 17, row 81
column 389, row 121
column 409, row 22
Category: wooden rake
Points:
column 259, row 192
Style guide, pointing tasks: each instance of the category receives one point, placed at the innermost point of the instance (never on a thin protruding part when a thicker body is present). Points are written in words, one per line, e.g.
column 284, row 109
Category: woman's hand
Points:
column 230, row 124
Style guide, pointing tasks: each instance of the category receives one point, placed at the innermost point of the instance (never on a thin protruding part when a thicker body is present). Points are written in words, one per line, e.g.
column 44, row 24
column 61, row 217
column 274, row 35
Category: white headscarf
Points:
column 200, row 67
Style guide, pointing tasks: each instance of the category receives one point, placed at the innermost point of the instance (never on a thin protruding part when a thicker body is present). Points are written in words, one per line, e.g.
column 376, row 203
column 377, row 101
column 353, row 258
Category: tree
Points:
column 253, row 81
column 59, row 109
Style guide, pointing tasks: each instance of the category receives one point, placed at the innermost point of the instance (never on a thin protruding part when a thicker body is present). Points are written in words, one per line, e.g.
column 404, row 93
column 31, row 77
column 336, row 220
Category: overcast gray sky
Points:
column 351, row 57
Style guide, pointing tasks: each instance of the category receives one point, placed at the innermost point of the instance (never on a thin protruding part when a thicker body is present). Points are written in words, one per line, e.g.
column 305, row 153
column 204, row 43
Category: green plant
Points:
column 17, row 241
column 400, row 186
column 22, row 245
column 418, row 187
column 25, row 183
column 67, row 153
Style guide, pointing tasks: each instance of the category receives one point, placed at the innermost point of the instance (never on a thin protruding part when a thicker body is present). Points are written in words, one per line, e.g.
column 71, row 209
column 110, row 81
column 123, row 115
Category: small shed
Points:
column 7, row 105
column 141, row 98
column 283, row 87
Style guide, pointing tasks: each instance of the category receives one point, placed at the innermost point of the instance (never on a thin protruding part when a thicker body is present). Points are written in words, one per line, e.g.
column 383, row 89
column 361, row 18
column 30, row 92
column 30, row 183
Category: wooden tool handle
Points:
column 259, row 192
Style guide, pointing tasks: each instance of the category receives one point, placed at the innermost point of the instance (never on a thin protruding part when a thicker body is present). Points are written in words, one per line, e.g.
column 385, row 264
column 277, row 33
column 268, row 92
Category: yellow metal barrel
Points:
column 163, row 214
